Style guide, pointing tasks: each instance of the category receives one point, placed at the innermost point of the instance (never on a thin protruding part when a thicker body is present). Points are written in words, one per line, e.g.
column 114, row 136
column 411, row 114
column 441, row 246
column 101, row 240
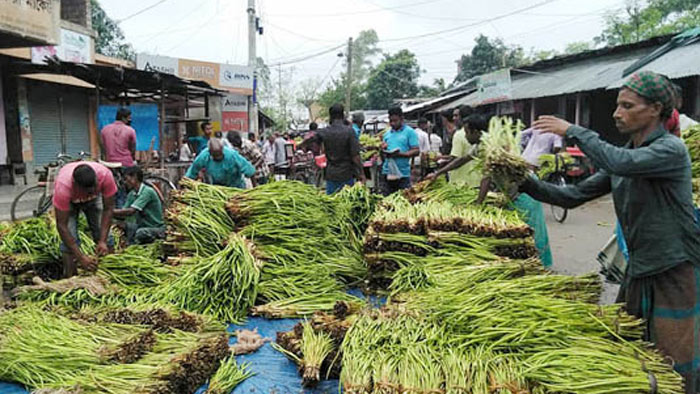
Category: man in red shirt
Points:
column 119, row 139
column 86, row 187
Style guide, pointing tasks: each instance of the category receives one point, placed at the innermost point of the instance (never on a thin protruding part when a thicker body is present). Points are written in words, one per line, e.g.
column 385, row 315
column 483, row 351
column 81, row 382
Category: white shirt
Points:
column 435, row 143
column 423, row 141
column 186, row 153
column 268, row 150
column 423, row 144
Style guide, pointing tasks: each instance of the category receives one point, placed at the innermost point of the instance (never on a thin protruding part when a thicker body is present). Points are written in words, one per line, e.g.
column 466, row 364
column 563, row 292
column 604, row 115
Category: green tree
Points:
column 335, row 93
column 644, row 19
column 489, row 55
column 110, row 39
column 307, row 95
column 364, row 49
column 577, row 47
column 396, row 77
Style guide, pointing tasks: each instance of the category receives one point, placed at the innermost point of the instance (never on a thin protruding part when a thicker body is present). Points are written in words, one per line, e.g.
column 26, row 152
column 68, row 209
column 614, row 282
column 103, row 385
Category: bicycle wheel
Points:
column 558, row 212
column 32, row 202
column 163, row 187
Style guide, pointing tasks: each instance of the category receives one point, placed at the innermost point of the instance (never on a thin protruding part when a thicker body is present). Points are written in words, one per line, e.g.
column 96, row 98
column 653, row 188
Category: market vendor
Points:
column 144, row 207
column 86, row 187
column 218, row 165
column 465, row 144
column 650, row 179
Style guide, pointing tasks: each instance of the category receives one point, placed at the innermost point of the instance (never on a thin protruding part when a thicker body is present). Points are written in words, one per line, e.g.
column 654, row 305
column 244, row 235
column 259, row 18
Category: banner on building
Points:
column 234, row 121
column 74, row 47
column 495, row 87
column 233, row 78
column 144, row 119
column 32, row 22
column 234, row 112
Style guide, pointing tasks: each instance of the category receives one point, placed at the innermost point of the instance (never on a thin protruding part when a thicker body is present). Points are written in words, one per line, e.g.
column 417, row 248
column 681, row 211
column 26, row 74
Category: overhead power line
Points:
column 141, row 11
column 342, row 14
column 474, row 24
column 301, row 59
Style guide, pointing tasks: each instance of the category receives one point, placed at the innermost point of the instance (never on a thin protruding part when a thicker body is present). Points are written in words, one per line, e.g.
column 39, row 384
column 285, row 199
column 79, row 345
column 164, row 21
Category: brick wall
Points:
column 76, row 11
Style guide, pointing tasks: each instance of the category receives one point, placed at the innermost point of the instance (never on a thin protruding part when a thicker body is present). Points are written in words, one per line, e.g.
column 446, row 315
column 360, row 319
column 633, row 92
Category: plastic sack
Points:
column 394, row 171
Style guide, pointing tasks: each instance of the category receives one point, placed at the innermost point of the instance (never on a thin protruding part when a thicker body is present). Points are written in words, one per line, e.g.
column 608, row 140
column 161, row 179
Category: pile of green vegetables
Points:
column 43, row 349
column 691, row 137
column 309, row 244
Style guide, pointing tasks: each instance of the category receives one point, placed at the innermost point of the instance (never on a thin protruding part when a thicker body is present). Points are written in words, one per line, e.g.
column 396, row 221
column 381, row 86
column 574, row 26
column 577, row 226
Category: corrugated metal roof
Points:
column 679, row 63
column 470, row 99
column 437, row 100
column 587, row 75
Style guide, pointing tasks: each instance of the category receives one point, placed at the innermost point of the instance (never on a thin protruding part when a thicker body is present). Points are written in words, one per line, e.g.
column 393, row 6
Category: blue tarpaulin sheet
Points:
column 144, row 119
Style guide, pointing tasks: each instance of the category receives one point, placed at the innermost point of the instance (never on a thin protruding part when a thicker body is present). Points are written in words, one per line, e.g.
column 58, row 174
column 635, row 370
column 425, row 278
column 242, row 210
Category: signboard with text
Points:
column 494, row 87
column 37, row 22
column 234, row 112
column 233, row 78
column 74, row 47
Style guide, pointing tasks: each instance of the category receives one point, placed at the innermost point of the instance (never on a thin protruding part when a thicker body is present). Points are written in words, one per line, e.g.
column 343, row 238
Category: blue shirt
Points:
column 404, row 140
column 201, row 142
column 227, row 172
column 357, row 129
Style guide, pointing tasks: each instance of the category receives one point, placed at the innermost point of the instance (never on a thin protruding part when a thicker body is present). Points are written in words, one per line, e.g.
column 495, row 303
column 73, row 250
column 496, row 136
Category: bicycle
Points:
column 163, row 186
column 40, row 196
column 558, row 177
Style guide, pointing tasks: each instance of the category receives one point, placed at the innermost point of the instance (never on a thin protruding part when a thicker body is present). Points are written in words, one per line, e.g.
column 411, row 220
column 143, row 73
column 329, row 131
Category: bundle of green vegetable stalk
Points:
column 223, row 285
column 500, row 153
column 396, row 215
column 691, row 137
column 314, row 345
column 370, row 146
column 197, row 219
column 44, row 350
column 131, row 277
column 548, row 163
column 440, row 190
column 310, row 249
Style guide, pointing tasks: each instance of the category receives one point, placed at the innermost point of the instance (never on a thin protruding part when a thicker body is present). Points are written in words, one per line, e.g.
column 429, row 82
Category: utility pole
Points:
column 252, row 62
column 283, row 105
column 348, row 82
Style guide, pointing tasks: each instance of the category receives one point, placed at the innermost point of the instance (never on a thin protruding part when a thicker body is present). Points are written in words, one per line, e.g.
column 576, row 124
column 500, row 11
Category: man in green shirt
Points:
column 465, row 143
column 650, row 180
column 144, row 209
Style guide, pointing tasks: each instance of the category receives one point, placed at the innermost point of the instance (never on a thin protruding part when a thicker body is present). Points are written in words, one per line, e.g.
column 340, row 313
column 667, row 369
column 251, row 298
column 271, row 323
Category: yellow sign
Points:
column 200, row 71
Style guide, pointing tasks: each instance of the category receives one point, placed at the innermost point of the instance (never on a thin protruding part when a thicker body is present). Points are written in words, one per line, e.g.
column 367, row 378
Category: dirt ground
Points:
column 576, row 242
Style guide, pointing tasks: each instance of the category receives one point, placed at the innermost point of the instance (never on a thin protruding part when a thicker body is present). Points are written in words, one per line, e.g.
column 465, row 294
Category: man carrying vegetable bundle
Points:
column 650, row 180
column 86, row 187
column 218, row 165
column 143, row 205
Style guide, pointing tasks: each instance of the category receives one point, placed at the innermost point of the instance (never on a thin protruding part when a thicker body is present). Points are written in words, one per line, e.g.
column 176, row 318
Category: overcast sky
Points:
column 216, row 30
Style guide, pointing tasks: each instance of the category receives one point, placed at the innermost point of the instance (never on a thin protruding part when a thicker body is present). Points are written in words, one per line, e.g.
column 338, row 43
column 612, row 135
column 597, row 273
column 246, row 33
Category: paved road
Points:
column 576, row 243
